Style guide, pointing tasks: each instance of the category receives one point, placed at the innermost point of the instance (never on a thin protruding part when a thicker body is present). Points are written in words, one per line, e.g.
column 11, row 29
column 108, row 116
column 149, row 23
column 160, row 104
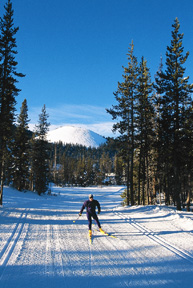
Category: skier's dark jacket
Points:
column 91, row 206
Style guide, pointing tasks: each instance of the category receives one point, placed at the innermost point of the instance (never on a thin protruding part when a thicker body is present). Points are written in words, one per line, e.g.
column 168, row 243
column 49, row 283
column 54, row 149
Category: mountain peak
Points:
column 75, row 135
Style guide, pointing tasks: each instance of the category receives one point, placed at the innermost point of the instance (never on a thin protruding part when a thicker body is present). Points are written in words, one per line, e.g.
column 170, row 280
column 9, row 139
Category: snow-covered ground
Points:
column 40, row 246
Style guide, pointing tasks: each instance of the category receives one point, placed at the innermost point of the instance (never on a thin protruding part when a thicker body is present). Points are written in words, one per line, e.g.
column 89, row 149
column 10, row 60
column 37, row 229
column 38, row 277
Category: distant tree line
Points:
column 153, row 154
column 81, row 166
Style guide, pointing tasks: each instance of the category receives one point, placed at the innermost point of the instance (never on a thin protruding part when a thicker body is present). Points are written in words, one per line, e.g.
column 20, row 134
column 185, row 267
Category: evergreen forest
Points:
column 153, row 154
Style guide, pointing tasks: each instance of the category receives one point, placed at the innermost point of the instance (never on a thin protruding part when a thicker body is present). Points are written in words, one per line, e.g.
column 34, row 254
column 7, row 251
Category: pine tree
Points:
column 119, row 168
column 89, row 171
column 8, row 89
column 144, row 127
column 188, row 159
column 67, row 169
column 40, row 156
column 174, row 91
column 21, row 150
column 124, row 112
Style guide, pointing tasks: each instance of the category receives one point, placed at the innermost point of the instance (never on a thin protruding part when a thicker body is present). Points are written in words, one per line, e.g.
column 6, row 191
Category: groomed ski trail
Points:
column 42, row 247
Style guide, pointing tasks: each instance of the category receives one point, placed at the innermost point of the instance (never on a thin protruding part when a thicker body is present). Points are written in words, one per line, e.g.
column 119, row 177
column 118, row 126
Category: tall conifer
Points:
column 124, row 112
column 144, row 127
column 174, row 101
column 21, row 150
column 40, row 154
column 8, row 80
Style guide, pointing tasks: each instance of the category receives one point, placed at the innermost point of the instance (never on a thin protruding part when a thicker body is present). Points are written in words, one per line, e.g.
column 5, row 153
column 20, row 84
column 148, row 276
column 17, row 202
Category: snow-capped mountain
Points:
column 75, row 135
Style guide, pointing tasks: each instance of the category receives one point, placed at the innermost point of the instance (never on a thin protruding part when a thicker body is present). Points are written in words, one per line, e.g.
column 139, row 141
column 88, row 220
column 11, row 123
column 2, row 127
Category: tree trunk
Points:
column 132, row 156
column 139, row 179
column 127, row 197
column 188, row 195
column 2, row 182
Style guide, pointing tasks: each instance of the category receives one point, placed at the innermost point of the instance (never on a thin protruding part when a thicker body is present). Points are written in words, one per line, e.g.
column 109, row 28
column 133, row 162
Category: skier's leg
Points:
column 89, row 220
column 95, row 217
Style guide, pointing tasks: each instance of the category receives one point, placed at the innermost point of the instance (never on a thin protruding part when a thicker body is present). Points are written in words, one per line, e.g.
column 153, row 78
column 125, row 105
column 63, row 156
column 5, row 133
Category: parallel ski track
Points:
column 109, row 244
column 74, row 258
column 4, row 213
column 11, row 243
column 76, row 264
column 67, row 258
column 105, row 250
column 62, row 255
column 49, row 267
column 90, row 262
column 99, row 256
column 53, row 241
column 149, row 233
column 131, row 269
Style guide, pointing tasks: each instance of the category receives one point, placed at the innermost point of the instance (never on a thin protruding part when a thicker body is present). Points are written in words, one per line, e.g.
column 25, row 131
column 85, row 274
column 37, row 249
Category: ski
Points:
column 90, row 236
column 90, row 239
column 106, row 234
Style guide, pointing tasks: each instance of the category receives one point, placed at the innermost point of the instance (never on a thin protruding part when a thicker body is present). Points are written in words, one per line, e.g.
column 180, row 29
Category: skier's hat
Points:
column 90, row 195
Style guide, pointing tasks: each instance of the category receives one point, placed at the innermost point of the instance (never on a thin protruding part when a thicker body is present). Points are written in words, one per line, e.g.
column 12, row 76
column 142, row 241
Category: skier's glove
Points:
column 80, row 214
column 99, row 212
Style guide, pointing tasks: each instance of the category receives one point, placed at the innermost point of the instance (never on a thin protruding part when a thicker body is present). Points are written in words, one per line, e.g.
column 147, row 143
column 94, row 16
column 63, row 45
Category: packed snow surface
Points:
column 41, row 246
column 75, row 135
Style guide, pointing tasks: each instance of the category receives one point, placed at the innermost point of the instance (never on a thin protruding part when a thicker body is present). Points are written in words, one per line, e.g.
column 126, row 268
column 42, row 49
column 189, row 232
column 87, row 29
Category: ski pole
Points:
column 76, row 219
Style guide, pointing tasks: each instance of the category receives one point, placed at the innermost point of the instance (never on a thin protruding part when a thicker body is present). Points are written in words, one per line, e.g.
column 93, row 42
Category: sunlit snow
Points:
column 41, row 246
column 75, row 135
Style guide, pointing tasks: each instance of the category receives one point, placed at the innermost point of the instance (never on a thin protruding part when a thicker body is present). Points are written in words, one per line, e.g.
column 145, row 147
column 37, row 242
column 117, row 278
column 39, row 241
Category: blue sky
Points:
column 72, row 52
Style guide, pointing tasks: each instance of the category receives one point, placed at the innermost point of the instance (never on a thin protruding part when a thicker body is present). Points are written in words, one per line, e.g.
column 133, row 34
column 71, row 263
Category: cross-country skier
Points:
column 90, row 206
